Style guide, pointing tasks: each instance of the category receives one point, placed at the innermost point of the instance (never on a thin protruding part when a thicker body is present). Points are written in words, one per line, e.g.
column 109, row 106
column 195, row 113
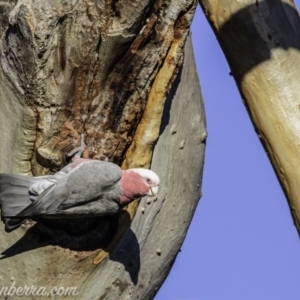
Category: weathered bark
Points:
column 261, row 41
column 105, row 69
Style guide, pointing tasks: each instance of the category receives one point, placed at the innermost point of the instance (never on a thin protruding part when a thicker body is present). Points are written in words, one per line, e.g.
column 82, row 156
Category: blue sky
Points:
column 242, row 244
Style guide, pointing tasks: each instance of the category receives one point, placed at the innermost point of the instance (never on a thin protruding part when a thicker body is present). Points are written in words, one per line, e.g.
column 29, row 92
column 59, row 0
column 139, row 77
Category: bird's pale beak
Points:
column 153, row 191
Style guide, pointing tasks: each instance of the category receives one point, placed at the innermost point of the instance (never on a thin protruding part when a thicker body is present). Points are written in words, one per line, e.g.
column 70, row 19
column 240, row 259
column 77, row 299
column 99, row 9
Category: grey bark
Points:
column 89, row 67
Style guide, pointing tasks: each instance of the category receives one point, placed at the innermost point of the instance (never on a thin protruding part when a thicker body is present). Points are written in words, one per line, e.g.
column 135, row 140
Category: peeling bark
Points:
column 261, row 41
column 88, row 67
column 113, row 71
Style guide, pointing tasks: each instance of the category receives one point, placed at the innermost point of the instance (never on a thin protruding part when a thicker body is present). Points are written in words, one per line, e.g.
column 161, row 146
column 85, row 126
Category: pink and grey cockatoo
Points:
column 84, row 188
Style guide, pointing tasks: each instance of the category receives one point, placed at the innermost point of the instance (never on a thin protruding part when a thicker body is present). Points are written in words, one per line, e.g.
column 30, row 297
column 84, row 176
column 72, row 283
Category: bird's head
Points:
column 150, row 178
column 139, row 182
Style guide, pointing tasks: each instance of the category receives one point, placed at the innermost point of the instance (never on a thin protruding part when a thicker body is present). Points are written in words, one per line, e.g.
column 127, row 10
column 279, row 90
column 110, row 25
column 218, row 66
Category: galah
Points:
column 84, row 188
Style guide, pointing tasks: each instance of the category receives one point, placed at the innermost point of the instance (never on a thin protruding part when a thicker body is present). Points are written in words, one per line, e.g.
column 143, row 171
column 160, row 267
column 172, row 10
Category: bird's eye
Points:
column 148, row 180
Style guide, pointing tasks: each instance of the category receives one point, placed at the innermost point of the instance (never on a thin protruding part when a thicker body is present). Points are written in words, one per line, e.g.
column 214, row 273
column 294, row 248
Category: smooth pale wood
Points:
column 80, row 65
column 261, row 41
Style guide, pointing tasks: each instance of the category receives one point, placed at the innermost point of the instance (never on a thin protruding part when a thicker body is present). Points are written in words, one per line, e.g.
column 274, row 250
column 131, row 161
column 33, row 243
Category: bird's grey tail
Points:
column 14, row 198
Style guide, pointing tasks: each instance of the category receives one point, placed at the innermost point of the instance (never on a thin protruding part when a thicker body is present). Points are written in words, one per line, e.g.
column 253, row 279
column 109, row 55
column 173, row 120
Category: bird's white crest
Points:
column 147, row 173
column 152, row 176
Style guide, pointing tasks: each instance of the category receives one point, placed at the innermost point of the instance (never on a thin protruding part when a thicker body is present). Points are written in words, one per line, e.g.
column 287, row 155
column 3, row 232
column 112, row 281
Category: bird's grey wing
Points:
column 37, row 206
column 89, row 181
column 91, row 188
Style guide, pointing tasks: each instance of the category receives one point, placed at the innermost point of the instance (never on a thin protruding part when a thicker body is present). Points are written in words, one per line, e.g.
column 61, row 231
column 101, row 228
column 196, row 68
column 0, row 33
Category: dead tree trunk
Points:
column 261, row 41
column 113, row 71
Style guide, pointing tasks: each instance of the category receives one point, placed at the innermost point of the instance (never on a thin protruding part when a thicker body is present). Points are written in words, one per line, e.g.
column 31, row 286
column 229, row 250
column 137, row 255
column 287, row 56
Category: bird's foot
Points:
column 77, row 152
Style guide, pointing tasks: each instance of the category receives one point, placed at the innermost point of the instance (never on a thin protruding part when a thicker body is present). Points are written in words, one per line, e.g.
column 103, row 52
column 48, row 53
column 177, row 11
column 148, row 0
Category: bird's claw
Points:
column 77, row 152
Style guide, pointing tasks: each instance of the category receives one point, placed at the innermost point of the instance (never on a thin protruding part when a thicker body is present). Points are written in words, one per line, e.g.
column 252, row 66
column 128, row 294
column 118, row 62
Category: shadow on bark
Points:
column 259, row 34
column 84, row 234
column 167, row 108
column 27, row 243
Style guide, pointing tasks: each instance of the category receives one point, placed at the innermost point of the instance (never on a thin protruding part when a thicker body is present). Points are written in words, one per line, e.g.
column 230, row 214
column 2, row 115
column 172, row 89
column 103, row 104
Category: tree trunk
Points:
column 261, row 41
column 113, row 71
